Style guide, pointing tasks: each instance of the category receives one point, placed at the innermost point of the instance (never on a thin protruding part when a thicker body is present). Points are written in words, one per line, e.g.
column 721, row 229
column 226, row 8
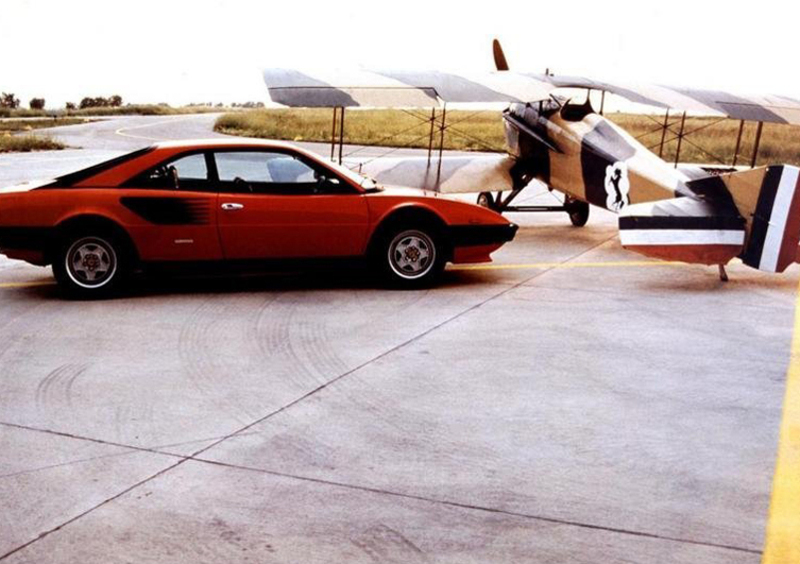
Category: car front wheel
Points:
column 412, row 257
column 90, row 265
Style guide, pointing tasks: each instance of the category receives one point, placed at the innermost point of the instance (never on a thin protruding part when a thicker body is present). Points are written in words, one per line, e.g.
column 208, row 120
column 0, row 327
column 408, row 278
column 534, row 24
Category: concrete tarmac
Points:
column 570, row 402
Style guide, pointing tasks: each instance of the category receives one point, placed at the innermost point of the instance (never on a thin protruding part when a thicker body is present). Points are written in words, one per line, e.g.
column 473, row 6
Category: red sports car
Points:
column 241, row 201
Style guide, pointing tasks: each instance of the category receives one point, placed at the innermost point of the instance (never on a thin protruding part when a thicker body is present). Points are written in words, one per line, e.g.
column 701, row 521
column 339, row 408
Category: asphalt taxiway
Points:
column 569, row 402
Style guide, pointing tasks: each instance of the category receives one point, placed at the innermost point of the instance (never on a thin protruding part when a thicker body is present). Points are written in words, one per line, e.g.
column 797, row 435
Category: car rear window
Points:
column 73, row 178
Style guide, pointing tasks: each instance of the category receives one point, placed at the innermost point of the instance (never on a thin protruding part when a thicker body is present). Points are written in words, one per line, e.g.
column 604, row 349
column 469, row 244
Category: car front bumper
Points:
column 480, row 235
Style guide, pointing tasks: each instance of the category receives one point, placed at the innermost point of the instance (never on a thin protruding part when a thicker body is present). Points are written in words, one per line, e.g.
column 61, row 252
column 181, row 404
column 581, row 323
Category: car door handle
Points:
column 232, row 206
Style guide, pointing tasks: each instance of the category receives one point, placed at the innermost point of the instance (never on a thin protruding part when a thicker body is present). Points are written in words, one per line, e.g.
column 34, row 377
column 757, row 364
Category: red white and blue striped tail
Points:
column 774, row 224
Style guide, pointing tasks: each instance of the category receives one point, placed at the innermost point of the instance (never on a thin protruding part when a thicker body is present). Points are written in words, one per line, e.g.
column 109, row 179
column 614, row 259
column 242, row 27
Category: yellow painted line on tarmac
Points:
column 27, row 284
column 534, row 265
column 782, row 544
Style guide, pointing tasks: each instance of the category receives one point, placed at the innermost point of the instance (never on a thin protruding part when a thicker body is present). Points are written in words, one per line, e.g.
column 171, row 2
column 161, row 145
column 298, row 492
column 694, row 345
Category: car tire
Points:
column 411, row 256
column 90, row 265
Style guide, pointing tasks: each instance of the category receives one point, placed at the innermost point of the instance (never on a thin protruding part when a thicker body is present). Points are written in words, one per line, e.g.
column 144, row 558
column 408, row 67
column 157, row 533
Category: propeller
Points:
column 499, row 57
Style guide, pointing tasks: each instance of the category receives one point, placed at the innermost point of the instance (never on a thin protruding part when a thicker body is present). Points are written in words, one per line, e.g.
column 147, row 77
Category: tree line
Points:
column 8, row 100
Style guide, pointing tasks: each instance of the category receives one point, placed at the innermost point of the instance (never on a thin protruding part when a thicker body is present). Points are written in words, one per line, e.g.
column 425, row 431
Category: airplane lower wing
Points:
column 754, row 214
column 456, row 175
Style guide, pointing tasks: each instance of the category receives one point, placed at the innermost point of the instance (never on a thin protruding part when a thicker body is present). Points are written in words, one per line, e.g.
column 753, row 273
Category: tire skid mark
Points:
column 384, row 544
column 315, row 344
column 192, row 348
column 205, row 338
column 58, row 383
column 277, row 345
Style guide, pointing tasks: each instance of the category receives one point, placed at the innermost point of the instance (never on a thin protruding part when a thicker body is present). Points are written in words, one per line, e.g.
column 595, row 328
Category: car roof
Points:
column 223, row 143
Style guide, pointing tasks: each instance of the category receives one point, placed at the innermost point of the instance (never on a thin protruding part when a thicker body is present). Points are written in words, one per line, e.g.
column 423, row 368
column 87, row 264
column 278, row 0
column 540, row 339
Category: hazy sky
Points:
column 212, row 50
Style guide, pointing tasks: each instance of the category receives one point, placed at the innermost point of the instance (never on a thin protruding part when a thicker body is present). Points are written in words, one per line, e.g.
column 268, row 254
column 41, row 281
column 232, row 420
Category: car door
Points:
column 173, row 209
column 278, row 204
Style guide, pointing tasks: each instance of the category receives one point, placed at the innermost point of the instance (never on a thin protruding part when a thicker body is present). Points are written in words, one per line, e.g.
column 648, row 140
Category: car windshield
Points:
column 365, row 182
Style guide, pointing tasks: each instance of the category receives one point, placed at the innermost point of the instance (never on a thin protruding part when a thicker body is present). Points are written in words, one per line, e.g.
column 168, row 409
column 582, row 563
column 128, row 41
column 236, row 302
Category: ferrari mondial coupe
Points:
column 240, row 202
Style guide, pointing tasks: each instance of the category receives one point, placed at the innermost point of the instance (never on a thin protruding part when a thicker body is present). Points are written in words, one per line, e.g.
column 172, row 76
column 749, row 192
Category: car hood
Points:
column 405, row 191
column 26, row 186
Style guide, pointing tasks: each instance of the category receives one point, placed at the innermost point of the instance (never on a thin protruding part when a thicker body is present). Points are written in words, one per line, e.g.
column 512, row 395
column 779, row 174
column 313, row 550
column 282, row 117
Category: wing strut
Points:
column 441, row 143
column 758, row 142
column 680, row 140
column 738, row 142
column 663, row 135
column 338, row 112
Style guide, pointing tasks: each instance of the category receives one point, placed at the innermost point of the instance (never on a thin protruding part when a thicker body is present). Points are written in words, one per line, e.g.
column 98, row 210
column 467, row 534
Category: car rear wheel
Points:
column 90, row 265
column 412, row 257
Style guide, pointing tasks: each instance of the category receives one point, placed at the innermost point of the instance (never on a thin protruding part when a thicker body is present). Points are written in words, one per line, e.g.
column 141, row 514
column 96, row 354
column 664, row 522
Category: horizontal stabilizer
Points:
column 683, row 229
column 457, row 174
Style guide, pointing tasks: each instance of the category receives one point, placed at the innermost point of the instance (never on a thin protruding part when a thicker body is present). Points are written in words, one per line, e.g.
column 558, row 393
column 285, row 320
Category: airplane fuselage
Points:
column 589, row 158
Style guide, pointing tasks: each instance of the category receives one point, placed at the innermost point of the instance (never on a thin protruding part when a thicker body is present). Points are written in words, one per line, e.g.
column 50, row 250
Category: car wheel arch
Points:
column 90, row 222
column 410, row 214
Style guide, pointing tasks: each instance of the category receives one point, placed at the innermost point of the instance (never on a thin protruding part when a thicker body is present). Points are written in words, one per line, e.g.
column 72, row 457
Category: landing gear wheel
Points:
column 578, row 212
column 486, row 200
column 90, row 265
column 411, row 257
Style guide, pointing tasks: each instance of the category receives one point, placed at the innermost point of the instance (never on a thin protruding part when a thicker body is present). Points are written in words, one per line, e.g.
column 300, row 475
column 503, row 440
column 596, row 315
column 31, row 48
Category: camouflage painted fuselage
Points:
column 589, row 158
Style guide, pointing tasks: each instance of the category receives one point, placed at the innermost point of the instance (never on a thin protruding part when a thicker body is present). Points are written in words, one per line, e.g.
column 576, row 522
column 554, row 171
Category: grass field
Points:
column 16, row 125
column 712, row 141
column 12, row 139
column 26, row 143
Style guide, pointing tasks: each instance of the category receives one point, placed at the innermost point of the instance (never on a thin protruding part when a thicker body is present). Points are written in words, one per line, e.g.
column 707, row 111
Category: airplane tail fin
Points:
column 768, row 198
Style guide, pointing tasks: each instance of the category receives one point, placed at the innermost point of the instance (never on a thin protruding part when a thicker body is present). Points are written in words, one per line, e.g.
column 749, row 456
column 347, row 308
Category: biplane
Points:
column 686, row 212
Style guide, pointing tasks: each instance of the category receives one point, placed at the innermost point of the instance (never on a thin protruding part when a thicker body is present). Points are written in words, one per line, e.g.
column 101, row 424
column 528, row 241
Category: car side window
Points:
column 184, row 173
column 263, row 172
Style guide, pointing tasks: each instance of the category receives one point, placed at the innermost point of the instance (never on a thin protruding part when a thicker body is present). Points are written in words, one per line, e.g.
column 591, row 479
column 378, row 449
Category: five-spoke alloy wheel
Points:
column 412, row 254
column 412, row 257
column 90, row 265
column 91, row 262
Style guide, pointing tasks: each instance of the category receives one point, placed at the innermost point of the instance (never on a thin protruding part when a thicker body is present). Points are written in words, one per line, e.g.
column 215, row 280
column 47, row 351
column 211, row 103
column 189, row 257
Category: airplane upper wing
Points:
column 430, row 88
column 767, row 108
column 400, row 89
